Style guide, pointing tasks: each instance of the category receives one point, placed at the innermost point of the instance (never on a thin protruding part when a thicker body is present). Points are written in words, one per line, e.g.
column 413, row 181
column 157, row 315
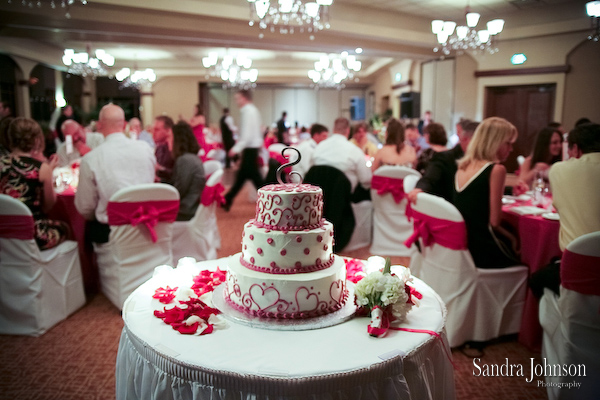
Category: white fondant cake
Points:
column 287, row 268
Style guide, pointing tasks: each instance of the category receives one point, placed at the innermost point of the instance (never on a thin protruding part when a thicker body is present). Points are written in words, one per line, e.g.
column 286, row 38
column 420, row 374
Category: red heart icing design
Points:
column 264, row 298
column 305, row 300
column 336, row 291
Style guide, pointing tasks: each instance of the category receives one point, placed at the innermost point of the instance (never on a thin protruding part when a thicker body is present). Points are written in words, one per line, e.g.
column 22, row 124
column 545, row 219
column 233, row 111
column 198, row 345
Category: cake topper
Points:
column 281, row 169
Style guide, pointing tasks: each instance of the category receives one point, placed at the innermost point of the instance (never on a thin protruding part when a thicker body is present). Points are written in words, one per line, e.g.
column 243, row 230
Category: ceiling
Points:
column 173, row 36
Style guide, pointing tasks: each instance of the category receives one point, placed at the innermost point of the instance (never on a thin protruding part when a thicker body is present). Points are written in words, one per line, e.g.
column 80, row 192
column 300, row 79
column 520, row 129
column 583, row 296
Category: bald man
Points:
column 118, row 163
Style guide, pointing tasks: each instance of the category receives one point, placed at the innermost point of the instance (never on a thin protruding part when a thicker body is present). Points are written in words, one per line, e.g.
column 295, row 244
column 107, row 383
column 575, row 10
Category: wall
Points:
column 582, row 85
column 302, row 104
column 175, row 95
column 437, row 92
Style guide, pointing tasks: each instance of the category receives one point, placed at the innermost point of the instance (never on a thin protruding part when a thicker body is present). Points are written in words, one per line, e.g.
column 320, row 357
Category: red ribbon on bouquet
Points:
column 449, row 234
column 384, row 184
column 148, row 213
column 213, row 194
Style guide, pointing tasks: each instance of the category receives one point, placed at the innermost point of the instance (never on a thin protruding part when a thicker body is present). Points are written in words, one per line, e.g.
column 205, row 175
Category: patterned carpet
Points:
column 76, row 359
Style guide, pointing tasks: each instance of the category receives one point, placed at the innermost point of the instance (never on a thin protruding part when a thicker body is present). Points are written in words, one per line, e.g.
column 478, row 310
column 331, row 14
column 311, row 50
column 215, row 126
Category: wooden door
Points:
column 529, row 108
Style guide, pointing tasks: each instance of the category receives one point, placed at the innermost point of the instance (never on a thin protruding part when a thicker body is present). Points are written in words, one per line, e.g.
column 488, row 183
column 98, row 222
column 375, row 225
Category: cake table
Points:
column 240, row 362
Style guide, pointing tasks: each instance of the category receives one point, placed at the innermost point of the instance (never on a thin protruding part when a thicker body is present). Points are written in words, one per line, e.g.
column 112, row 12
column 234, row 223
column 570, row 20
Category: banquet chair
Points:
column 571, row 321
column 38, row 289
column 337, row 207
column 483, row 304
column 141, row 229
column 362, row 234
column 391, row 228
column 210, row 166
column 216, row 154
column 199, row 237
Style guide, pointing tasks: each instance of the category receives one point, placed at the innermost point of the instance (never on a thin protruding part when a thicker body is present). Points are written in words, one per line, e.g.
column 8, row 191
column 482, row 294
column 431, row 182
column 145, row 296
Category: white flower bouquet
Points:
column 387, row 296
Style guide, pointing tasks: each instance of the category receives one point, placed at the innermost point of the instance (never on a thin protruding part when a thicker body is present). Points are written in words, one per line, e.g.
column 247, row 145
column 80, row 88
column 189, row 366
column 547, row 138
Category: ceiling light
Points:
column 64, row 4
column 88, row 64
column 451, row 37
column 333, row 71
column 136, row 79
column 289, row 16
column 593, row 10
column 233, row 71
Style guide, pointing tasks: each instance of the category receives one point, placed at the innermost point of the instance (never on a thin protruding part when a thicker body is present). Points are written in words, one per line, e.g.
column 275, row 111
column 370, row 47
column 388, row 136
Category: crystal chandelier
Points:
column 85, row 64
column 466, row 37
column 65, row 4
column 289, row 16
column 331, row 72
column 234, row 72
column 593, row 10
column 136, row 79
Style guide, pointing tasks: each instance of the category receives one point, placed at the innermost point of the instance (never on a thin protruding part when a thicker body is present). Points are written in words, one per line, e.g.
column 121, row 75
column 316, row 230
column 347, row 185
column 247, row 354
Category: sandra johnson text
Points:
column 535, row 370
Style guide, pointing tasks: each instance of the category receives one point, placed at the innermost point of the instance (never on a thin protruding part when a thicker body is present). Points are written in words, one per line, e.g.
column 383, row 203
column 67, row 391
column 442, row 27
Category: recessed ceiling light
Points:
column 358, row 50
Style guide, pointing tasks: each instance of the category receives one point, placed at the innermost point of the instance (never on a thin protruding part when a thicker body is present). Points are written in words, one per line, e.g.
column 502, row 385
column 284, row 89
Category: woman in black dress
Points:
column 24, row 176
column 478, row 189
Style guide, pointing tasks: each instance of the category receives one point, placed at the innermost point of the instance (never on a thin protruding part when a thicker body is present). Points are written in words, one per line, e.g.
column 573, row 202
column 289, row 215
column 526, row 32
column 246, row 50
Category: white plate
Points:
column 507, row 200
column 552, row 216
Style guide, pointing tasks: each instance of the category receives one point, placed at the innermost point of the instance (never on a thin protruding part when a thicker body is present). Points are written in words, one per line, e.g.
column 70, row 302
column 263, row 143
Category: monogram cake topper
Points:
column 281, row 169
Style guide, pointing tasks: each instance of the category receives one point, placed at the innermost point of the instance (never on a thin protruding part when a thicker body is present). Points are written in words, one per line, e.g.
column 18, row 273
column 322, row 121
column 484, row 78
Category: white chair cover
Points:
column 210, row 166
column 199, row 237
column 130, row 256
column 482, row 303
column 390, row 225
column 571, row 324
column 216, row 154
column 410, row 182
column 38, row 289
column 363, row 229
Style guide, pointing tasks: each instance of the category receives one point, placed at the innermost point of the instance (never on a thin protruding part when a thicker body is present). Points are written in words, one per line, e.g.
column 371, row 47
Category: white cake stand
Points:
column 342, row 315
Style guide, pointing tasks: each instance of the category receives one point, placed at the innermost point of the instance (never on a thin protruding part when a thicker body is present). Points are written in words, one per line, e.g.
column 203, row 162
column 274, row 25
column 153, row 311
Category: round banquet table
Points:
column 539, row 244
column 241, row 362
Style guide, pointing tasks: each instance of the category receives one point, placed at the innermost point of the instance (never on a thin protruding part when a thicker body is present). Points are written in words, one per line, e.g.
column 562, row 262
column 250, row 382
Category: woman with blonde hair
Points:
column 394, row 151
column 478, row 190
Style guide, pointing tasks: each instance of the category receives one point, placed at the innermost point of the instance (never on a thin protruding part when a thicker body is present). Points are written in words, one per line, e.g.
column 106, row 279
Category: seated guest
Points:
column 435, row 136
column 415, row 139
column 4, row 146
column 188, row 172
column 395, row 151
column 479, row 186
column 26, row 177
column 120, row 162
column 575, row 185
column 318, row 133
column 575, row 188
column 336, row 151
column 360, row 138
column 134, row 128
column 163, row 136
column 546, row 151
column 438, row 178
column 79, row 147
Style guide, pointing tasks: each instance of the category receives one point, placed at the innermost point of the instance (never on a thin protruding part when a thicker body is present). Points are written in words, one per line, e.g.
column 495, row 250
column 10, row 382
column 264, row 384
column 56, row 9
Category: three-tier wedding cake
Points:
column 287, row 268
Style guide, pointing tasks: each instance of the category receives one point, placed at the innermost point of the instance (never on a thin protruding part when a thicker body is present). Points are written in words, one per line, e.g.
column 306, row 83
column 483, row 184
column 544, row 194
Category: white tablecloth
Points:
column 240, row 362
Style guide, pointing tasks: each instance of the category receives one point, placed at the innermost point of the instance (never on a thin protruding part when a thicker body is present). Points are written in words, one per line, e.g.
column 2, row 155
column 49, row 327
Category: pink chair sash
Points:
column 449, row 234
column 213, row 194
column 384, row 185
column 580, row 273
column 148, row 213
column 281, row 160
column 20, row 227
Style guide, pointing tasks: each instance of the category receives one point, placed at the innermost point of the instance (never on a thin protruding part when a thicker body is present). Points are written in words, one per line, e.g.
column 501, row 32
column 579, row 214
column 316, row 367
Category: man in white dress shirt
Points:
column 336, row 151
column 249, row 143
column 118, row 163
column 318, row 133
column 81, row 143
